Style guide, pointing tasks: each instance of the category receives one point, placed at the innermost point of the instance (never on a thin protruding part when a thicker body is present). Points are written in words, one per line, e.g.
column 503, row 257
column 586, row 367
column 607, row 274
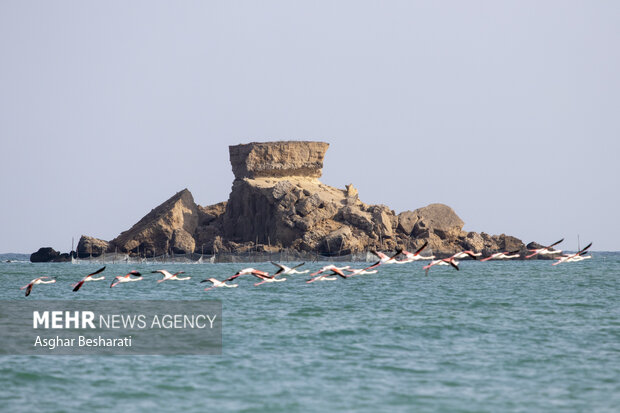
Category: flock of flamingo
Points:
column 329, row 272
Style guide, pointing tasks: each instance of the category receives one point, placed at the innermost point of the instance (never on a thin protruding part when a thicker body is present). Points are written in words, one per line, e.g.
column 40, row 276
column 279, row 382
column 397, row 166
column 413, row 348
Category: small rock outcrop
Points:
column 44, row 254
column 89, row 246
column 278, row 202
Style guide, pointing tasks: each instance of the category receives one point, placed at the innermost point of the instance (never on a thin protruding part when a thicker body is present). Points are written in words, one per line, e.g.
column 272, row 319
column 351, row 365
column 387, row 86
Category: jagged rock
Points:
column 182, row 242
column 88, row 246
column 278, row 159
column 354, row 216
column 534, row 246
column 509, row 243
column 154, row 233
column 351, row 192
column 406, row 221
column 339, row 242
column 473, row 241
column 208, row 214
column 382, row 218
column 44, row 254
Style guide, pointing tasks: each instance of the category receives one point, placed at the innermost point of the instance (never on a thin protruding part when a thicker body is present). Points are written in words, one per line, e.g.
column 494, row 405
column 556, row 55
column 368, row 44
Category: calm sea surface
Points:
column 519, row 336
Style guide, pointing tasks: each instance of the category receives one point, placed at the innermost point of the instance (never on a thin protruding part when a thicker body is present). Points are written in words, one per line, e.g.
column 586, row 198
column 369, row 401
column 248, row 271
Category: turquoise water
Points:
column 494, row 337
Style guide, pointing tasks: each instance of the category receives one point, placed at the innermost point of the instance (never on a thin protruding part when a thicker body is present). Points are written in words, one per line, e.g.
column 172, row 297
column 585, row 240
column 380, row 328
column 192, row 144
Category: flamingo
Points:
column 89, row 277
column 414, row 256
column 502, row 256
column 361, row 271
column 578, row 256
column 328, row 268
column 217, row 284
column 39, row 280
column 443, row 261
column 171, row 277
column 384, row 259
column 264, row 276
column 120, row 279
column 329, row 277
column 465, row 254
column 545, row 250
column 284, row 270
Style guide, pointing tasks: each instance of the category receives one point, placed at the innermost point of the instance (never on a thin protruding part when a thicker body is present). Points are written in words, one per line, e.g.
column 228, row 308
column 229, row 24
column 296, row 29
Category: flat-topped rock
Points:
column 278, row 159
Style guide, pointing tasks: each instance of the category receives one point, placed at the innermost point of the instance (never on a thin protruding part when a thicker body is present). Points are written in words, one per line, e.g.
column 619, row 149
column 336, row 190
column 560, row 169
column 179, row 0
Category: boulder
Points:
column 406, row 221
column 182, row 242
column 439, row 218
column 340, row 242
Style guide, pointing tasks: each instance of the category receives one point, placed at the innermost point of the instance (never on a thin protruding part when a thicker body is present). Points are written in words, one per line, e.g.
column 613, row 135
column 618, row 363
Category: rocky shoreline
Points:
column 278, row 203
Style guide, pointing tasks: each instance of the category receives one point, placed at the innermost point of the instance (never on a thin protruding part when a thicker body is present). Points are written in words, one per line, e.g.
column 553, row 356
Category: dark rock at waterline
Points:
column 44, row 254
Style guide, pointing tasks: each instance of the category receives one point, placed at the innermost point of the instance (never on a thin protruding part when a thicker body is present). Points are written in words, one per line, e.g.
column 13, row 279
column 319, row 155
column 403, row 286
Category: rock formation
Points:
column 278, row 202
column 48, row 254
column 169, row 227
column 89, row 246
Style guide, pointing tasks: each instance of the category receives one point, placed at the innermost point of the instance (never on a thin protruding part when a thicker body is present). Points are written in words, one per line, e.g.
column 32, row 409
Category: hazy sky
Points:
column 509, row 112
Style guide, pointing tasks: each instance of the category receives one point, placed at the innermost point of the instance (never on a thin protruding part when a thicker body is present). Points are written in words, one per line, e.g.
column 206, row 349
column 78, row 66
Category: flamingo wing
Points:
column 29, row 289
column 280, row 266
column 78, row 286
column 554, row 244
column 419, row 250
column 298, row 265
column 97, row 272
column 584, row 249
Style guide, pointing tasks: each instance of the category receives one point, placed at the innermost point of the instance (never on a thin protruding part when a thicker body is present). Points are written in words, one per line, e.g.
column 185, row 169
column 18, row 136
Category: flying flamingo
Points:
column 465, row 254
column 414, row 256
column 578, row 256
column 502, row 256
column 89, row 277
column 120, row 279
column 39, row 280
column 444, row 261
column 328, row 268
column 284, row 270
column 217, row 284
column 329, row 277
column 545, row 250
column 262, row 275
column 361, row 271
column 384, row 259
column 171, row 277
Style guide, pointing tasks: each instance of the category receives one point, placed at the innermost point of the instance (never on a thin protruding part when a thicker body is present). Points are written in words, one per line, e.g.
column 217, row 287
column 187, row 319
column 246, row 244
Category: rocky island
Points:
column 278, row 202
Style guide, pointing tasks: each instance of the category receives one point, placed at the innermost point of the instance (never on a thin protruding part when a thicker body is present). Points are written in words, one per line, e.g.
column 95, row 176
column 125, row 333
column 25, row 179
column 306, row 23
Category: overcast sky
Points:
column 509, row 112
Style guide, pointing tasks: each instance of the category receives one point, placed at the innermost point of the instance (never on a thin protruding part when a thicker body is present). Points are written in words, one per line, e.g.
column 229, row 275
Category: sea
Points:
column 497, row 336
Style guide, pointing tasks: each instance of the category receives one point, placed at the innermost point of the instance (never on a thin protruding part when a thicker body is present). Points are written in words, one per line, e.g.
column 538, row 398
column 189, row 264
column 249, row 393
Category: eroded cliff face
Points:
column 277, row 201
